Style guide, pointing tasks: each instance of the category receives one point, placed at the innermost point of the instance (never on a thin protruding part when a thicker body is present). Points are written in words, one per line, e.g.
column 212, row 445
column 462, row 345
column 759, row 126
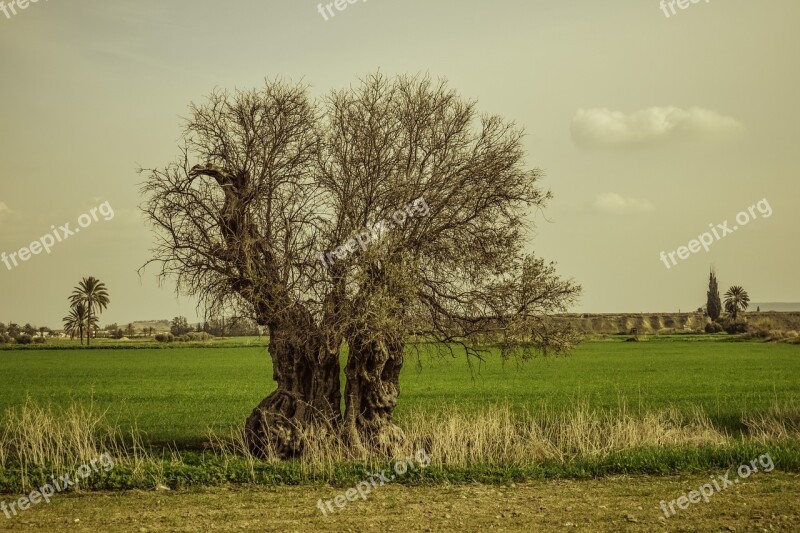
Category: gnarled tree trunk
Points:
column 371, row 393
column 308, row 398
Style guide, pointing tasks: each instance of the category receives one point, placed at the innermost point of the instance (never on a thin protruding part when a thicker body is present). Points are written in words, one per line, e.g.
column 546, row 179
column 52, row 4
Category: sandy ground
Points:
column 764, row 502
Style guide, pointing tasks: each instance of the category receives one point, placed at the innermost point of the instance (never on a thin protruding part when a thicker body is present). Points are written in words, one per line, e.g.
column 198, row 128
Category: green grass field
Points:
column 175, row 395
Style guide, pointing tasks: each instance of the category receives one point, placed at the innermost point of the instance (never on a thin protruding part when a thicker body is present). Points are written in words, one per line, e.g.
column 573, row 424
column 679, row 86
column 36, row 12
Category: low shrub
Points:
column 714, row 327
column 734, row 326
column 38, row 340
column 773, row 335
column 165, row 337
column 24, row 339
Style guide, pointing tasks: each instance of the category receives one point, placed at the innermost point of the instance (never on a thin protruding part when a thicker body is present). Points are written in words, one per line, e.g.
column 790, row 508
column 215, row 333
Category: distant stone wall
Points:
column 650, row 323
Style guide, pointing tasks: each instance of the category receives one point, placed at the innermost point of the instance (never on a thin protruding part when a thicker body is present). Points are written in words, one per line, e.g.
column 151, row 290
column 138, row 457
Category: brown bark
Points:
column 308, row 399
column 371, row 393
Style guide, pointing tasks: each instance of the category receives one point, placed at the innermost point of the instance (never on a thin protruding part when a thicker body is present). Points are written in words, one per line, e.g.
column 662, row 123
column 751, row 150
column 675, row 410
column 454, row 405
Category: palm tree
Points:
column 94, row 294
column 736, row 300
column 75, row 321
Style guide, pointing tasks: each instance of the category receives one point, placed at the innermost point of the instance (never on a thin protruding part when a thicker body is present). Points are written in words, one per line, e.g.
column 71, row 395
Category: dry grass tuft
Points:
column 41, row 438
column 499, row 436
column 780, row 422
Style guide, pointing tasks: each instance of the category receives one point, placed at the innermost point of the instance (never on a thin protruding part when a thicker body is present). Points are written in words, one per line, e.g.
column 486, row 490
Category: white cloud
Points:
column 616, row 204
column 603, row 128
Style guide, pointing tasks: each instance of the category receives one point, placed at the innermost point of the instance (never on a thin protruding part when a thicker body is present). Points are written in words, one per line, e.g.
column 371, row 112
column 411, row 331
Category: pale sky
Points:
column 648, row 127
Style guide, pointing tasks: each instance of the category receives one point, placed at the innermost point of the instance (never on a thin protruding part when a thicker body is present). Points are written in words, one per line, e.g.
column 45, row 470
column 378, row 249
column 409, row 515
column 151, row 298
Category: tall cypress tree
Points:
column 713, row 303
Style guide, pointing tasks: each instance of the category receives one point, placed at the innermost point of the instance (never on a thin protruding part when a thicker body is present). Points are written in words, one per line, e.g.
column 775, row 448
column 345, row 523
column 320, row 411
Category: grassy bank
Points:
column 495, row 445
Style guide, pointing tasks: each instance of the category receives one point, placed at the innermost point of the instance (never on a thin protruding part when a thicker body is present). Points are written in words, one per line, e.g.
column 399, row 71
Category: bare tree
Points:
column 282, row 179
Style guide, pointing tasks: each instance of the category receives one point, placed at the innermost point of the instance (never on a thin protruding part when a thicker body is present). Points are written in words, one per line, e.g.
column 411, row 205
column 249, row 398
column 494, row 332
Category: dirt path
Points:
column 765, row 502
